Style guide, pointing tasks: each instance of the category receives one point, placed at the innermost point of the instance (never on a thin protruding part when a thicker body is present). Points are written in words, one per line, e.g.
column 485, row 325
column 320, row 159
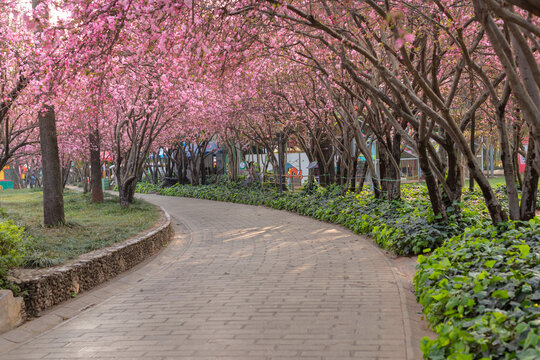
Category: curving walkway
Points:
column 244, row 282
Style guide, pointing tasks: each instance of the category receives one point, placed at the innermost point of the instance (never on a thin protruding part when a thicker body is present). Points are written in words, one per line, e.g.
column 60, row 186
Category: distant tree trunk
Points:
column 194, row 167
column 516, row 141
column 53, row 199
column 233, row 161
column 362, row 179
column 340, row 176
column 65, row 174
column 38, row 179
column 169, row 165
column 530, row 186
column 352, row 173
column 431, row 182
column 126, row 191
column 16, row 176
column 282, row 160
column 325, row 160
column 85, row 177
column 202, row 169
column 33, row 175
column 95, row 166
column 495, row 209
column 454, row 189
column 506, row 156
column 390, row 175
column 473, row 148
column 181, row 164
column 154, row 169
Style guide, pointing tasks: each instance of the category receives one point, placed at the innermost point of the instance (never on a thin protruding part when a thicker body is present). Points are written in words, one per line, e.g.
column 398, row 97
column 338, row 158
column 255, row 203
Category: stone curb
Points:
column 48, row 287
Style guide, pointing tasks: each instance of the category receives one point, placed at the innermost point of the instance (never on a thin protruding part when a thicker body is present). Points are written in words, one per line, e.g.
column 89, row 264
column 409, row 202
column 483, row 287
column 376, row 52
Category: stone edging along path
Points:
column 48, row 287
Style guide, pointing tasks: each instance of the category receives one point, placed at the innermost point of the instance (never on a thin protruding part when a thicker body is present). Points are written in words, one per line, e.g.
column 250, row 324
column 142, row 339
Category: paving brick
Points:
column 244, row 283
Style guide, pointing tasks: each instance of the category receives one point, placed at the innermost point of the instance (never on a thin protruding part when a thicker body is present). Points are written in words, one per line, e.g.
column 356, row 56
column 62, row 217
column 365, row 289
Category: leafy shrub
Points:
column 404, row 227
column 144, row 188
column 11, row 250
column 480, row 292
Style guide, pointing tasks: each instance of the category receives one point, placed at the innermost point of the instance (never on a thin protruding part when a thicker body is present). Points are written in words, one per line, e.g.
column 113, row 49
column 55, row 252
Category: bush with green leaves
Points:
column 12, row 250
column 404, row 227
column 481, row 294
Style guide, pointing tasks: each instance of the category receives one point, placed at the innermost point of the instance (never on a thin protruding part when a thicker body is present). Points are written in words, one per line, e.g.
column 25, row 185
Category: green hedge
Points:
column 404, row 227
column 480, row 292
column 11, row 251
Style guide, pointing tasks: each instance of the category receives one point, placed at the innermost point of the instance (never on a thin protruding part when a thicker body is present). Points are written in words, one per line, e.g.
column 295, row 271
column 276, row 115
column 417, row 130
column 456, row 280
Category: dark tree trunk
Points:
column 390, row 175
column 85, row 177
column 126, row 191
column 53, row 199
column 433, row 189
column 530, row 186
column 311, row 177
column 509, row 174
column 169, row 165
column 325, row 160
column 282, row 161
column 202, row 169
column 516, row 140
column 362, row 179
column 95, row 167
column 453, row 177
column 65, row 174
column 151, row 171
column 496, row 212
column 339, row 171
column 185, row 165
column 194, row 167
column 178, row 157
column 352, row 173
column 473, row 148
column 233, row 162
column 506, row 155
column 16, row 176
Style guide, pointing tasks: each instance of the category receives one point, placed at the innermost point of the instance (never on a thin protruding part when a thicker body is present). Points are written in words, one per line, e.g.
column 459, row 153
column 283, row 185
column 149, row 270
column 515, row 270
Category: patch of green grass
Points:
column 89, row 226
column 497, row 180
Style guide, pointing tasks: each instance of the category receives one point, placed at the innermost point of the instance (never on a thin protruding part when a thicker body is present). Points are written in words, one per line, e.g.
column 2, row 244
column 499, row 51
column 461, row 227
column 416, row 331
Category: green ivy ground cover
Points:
column 480, row 286
column 480, row 292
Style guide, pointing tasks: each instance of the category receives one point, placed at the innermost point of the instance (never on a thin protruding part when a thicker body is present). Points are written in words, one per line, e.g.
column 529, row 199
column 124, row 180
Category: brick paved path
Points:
column 244, row 282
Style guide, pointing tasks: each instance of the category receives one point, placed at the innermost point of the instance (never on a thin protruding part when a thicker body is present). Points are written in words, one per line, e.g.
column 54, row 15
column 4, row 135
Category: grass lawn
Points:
column 89, row 226
column 496, row 180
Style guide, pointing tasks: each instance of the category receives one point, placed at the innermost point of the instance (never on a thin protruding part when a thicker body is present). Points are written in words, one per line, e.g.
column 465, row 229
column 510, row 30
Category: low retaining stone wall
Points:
column 48, row 287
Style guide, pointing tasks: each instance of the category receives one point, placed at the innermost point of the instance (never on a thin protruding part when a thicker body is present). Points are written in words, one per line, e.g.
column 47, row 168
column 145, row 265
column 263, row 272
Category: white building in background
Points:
column 297, row 164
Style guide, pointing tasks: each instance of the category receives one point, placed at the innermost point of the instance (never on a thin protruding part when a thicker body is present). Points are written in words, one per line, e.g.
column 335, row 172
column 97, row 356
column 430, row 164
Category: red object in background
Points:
column 521, row 161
